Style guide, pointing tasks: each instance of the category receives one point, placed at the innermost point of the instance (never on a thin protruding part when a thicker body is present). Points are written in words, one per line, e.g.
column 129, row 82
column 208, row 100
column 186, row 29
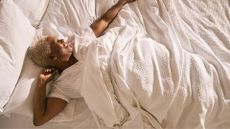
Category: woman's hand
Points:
column 126, row 1
column 46, row 75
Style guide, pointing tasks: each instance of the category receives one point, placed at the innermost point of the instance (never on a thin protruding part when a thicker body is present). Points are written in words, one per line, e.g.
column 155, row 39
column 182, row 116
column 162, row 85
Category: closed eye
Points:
column 60, row 40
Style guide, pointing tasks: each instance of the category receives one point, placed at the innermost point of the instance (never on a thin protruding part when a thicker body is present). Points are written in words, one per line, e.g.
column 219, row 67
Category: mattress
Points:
column 167, row 61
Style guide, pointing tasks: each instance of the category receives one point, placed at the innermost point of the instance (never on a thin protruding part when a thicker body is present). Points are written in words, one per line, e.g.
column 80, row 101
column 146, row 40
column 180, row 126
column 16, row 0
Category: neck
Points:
column 72, row 60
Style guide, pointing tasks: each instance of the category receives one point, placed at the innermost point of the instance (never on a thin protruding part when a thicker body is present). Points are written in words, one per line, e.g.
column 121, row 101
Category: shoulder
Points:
column 73, row 70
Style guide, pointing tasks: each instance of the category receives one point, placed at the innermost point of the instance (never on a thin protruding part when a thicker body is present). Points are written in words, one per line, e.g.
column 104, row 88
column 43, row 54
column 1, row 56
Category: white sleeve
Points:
column 83, row 39
column 57, row 93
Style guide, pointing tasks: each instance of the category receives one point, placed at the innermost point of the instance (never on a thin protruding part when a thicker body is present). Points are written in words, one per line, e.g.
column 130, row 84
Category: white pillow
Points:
column 16, row 34
column 20, row 101
column 33, row 9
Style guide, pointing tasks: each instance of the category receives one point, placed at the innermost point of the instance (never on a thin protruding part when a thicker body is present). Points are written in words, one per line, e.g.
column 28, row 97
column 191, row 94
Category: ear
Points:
column 53, row 57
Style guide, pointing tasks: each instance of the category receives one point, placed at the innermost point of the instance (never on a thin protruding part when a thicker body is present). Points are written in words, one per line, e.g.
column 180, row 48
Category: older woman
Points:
column 58, row 55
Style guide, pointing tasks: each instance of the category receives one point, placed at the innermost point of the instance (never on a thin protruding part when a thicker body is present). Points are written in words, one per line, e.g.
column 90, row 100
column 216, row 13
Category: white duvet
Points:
column 174, row 72
column 171, row 88
column 167, row 62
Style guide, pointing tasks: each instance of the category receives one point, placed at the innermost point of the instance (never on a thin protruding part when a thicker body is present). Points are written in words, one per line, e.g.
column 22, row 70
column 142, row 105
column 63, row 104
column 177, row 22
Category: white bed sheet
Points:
column 12, row 47
column 36, row 10
column 184, row 29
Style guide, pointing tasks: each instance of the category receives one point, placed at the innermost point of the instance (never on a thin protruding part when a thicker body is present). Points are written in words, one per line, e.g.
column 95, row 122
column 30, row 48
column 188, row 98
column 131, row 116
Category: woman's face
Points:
column 60, row 50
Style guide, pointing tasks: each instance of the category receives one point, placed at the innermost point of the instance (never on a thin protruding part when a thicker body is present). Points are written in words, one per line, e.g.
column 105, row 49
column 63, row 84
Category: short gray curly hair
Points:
column 39, row 53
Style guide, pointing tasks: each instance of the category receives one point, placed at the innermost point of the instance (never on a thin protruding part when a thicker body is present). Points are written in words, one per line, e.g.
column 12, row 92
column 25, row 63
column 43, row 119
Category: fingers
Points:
column 47, row 74
column 49, row 70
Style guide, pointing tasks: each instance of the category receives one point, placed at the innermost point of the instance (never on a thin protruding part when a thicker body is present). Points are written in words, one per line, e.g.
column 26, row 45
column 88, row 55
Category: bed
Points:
column 167, row 62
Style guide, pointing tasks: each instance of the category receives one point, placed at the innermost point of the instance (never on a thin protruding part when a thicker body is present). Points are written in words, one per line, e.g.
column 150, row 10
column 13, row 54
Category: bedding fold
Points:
column 161, row 63
column 170, row 71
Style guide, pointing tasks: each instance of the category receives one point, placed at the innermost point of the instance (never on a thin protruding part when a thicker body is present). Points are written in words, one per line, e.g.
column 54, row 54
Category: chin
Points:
column 68, row 58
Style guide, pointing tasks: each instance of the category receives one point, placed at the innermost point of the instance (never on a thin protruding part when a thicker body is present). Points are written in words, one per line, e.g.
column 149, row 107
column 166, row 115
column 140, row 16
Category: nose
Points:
column 65, row 45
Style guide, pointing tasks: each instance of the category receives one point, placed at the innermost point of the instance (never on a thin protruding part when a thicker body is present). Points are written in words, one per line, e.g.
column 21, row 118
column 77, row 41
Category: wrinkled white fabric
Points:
column 167, row 61
column 12, row 47
column 175, row 75
column 164, row 60
column 68, row 84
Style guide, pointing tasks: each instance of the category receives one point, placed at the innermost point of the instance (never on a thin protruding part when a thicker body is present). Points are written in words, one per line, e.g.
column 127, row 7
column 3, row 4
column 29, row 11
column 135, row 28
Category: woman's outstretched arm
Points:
column 104, row 21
